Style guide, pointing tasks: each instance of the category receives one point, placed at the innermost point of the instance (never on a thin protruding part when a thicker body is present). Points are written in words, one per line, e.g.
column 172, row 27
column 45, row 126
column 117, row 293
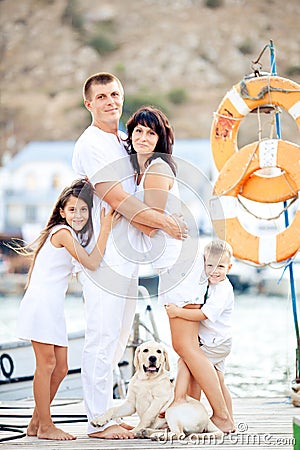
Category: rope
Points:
column 279, row 266
column 65, row 418
column 259, row 124
column 273, row 125
column 267, row 218
column 249, row 162
column 11, row 429
column 216, row 114
column 265, row 90
column 243, row 173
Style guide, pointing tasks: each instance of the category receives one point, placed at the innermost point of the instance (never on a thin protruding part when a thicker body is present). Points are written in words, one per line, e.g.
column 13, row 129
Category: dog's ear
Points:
column 136, row 357
column 167, row 364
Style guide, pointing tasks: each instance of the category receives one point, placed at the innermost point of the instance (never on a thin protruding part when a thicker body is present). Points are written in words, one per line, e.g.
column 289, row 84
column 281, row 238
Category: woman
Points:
column 150, row 143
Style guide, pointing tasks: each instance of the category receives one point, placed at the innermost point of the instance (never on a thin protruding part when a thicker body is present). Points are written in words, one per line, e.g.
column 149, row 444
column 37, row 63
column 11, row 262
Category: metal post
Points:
column 286, row 220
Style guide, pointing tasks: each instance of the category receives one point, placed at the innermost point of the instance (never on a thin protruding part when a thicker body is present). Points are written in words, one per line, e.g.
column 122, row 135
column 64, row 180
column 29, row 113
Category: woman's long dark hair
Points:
column 153, row 118
column 80, row 189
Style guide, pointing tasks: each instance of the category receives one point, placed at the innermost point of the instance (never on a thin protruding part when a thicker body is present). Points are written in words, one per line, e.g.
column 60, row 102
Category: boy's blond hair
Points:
column 218, row 247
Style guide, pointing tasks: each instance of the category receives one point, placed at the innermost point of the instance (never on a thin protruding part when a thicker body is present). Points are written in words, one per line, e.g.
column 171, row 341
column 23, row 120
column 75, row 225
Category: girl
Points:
column 150, row 141
column 41, row 315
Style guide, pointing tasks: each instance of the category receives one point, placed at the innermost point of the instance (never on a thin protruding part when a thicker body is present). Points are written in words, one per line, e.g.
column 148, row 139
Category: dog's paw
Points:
column 99, row 421
column 160, row 436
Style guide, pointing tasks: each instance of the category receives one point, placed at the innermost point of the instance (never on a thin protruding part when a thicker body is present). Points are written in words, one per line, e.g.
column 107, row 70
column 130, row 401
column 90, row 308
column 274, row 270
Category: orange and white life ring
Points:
column 237, row 103
column 224, row 204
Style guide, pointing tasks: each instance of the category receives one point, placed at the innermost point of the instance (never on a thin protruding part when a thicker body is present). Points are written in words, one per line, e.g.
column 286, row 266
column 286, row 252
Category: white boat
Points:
column 17, row 366
column 17, row 362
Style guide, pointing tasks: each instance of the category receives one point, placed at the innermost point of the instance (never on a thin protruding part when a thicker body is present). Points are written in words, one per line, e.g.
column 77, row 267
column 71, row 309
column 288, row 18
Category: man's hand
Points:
column 137, row 212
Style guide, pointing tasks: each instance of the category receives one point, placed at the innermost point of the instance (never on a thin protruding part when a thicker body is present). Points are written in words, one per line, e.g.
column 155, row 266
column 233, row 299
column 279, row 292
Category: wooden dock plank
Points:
column 262, row 423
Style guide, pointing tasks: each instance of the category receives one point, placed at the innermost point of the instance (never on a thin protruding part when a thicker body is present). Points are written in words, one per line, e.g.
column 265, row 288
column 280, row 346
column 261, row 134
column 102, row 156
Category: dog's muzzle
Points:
column 152, row 368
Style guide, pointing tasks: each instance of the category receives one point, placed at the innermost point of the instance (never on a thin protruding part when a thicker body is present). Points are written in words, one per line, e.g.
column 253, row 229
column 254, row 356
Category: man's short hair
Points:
column 100, row 78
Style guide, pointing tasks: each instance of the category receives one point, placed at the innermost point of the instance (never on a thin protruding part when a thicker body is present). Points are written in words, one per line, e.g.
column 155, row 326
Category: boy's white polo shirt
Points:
column 218, row 309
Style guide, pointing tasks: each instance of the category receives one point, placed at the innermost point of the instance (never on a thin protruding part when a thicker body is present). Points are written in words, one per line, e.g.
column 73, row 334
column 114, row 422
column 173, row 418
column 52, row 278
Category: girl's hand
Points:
column 116, row 218
column 172, row 310
column 109, row 220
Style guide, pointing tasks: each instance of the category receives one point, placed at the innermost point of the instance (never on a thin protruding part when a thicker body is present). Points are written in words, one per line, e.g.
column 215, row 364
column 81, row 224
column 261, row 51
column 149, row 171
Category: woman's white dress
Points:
column 180, row 268
column 41, row 315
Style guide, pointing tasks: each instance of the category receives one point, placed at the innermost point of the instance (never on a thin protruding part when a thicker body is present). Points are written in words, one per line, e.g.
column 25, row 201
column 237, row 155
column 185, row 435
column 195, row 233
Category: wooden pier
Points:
column 262, row 423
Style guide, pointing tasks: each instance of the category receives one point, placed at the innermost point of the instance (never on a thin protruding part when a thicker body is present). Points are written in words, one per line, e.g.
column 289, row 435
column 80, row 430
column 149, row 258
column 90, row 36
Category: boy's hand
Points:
column 172, row 310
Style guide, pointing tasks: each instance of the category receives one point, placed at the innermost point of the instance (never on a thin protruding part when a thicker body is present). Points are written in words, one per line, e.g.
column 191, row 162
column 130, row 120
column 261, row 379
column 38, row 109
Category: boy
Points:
column 215, row 316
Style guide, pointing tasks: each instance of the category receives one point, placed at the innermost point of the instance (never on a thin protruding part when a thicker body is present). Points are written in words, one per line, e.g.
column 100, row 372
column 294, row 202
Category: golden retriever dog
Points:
column 150, row 392
column 183, row 420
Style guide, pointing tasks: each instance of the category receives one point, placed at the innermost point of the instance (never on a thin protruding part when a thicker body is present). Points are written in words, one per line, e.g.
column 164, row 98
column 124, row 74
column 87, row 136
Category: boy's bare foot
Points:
column 51, row 432
column 224, row 424
column 113, row 432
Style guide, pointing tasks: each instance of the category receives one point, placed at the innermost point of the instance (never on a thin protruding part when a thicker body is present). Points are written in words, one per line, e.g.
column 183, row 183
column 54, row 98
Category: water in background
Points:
column 262, row 362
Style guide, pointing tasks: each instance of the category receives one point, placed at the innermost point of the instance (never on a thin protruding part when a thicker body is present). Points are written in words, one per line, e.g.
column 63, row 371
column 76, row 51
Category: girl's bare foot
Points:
column 113, row 432
column 224, row 424
column 51, row 432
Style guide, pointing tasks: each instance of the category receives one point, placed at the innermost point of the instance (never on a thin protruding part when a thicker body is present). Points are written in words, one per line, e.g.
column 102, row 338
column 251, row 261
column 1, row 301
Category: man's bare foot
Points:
column 113, row 432
column 225, row 425
column 32, row 428
column 51, row 432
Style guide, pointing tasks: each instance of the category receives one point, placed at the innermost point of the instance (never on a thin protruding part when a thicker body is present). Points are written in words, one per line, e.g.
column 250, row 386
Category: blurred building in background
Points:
column 30, row 182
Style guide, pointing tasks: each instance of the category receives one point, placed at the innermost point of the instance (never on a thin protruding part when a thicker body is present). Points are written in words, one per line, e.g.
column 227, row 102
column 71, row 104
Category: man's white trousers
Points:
column 109, row 318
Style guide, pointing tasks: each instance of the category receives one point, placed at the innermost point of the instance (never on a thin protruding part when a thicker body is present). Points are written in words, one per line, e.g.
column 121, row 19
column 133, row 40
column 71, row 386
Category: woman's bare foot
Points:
column 178, row 401
column 113, row 432
column 126, row 426
column 51, row 432
column 224, row 424
column 32, row 428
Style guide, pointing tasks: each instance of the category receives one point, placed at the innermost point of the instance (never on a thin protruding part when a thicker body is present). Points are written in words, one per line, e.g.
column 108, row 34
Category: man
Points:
column 110, row 292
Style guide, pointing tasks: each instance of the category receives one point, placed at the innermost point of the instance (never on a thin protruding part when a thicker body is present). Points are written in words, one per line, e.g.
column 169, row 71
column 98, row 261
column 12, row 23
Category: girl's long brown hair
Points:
column 80, row 189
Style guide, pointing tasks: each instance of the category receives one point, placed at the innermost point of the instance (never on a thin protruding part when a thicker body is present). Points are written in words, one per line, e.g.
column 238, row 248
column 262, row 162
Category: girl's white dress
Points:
column 41, row 315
